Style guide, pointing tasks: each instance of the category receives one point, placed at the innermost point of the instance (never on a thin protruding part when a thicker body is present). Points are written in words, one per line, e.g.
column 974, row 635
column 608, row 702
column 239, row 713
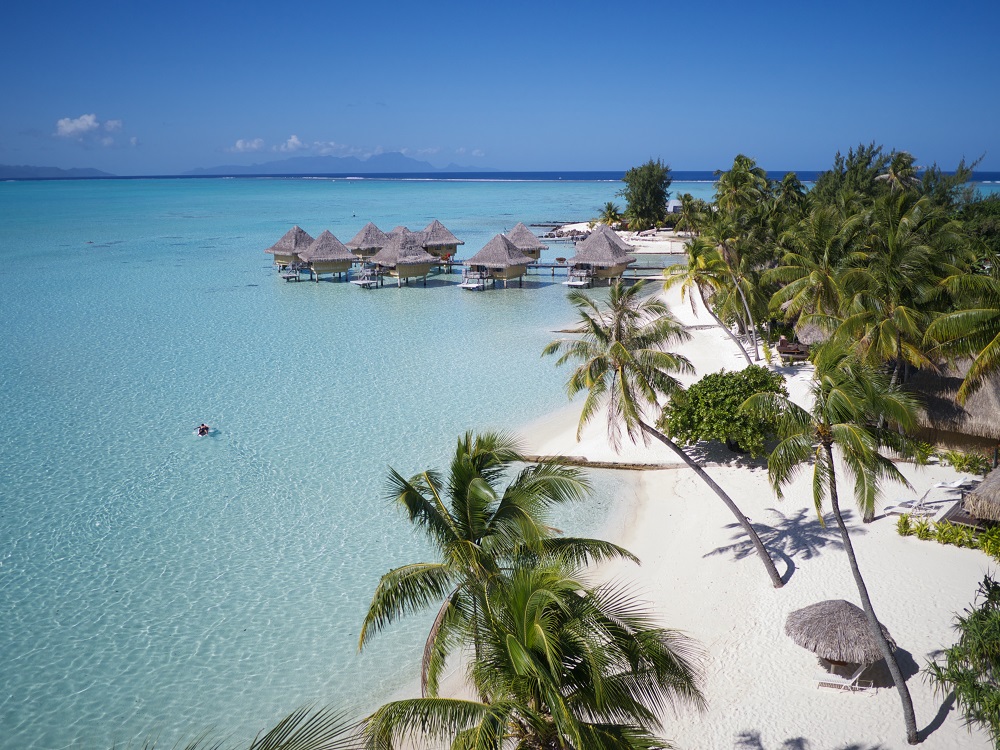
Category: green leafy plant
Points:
column 923, row 529
column 904, row 527
column 988, row 541
column 970, row 668
column 972, row 462
column 946, row 532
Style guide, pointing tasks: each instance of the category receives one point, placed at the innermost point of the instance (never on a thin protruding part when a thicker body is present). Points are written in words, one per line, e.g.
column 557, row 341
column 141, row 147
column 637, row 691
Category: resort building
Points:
column 286, row 250
column 974, row 425
column 367, row 242
column 526, row 241
column 500, row 258
column 404, row 257
column 327, row 254
column 439, row 241
column 603, row 255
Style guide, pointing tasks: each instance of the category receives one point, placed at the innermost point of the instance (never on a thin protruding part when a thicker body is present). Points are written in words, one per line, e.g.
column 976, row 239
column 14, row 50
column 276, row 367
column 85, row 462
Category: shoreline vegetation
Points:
column 875, row 268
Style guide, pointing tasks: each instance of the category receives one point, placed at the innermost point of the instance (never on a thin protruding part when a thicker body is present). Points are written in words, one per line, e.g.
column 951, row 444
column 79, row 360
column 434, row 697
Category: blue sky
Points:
column 160, row 88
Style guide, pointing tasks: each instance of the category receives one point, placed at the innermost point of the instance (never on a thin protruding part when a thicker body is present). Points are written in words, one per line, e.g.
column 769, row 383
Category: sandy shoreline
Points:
column 761, row 687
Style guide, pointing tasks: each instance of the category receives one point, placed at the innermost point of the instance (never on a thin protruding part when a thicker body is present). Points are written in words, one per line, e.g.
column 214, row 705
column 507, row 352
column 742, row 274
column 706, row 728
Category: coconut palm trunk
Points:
column 743, row 521
column 866, row 604
column 729, row 331
column 750, row 321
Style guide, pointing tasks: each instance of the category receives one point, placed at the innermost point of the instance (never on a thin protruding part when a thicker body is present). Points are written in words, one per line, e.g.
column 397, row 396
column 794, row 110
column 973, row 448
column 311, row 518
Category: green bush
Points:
column 923, row 529
column 972, row 462
column 903, row 525
column 946, row 532
column 989, row 542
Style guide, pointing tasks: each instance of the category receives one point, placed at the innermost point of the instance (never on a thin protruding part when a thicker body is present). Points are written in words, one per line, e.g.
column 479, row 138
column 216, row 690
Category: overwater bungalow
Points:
column 400, row 230
column 367, row 242
column 526, row 241
column 500, row 258
column 603, row 255
column 439, row 241
column 286, row 250
column 327, row 254
column 404, row 257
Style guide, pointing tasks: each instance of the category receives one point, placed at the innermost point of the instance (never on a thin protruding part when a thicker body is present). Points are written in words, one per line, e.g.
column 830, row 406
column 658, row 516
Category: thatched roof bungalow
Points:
column 984, row 501
column 526, row 241
column 501, row 259
column 404, row 257
column 974, row 425
column 286, row 250
column 367, row 242
column 603, row 253
column 327, row 254
column 439, row 241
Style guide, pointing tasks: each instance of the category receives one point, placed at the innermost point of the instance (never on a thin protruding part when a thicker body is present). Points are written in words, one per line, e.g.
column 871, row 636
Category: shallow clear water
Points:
column 154, row 582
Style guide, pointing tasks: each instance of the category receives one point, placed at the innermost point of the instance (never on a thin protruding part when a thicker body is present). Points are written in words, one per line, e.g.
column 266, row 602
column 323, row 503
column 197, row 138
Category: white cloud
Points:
column 74, row 127
column 133, row 141
column 460, row 150
column 107, row 141
column 328, row 148
column 292, row 144
column 479, row 152
column 113, row 125
column 246, row 145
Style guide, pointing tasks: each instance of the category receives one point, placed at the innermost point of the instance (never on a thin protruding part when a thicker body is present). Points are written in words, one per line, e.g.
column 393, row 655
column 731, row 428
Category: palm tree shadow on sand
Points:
column 798, row 535
column 750, row 740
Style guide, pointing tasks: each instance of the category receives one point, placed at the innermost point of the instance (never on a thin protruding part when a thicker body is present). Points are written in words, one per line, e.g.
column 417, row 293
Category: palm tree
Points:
column 691, row 214
column 479, row 530
column 973, row 330
column 625, row 370
column 900, row 173
column 706, row 274
column 847, row 397
column 610, row 214
column 562, row 664
column 742, row 187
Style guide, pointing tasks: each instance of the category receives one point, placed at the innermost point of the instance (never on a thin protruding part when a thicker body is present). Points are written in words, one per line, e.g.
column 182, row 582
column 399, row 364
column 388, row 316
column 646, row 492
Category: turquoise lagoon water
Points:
column 154, row 582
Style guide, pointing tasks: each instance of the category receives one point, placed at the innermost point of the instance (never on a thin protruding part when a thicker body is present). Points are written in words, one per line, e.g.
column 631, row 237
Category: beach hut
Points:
column 404, row 257
column 526, row 241
column 603, row 255
column 327, row 254
column 974, row 425
column 400, row 230
column 286, row 250
column 500, row 258
column 839, row 634
column 984, row 501
column 367, row 242
column 439, row 241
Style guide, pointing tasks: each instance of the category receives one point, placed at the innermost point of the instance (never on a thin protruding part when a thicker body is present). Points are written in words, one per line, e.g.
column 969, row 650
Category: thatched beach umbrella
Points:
column 837, row 631
column 526, row 241
column 603, row 253
column 367, row 242
column 286, row 250
column 327, row 254
column 438, row 240
column 502, row 258
column 403, row 257
column 984, row 501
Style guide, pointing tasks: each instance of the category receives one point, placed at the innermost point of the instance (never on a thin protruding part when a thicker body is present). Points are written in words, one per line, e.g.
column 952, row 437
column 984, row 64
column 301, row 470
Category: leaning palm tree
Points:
column 626, row 371
column 480, row 529
column 849, row 397
column 562, row 664
column 704, row 274
column 610, row 214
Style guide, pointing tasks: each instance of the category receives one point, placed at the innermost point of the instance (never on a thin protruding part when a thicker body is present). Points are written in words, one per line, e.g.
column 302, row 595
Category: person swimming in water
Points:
column 203, row 429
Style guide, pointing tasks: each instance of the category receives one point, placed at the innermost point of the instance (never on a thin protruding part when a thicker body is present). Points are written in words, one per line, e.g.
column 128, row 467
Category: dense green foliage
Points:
column 710, row 410
column 981, row 220
column 646, row 191
column 971, row 668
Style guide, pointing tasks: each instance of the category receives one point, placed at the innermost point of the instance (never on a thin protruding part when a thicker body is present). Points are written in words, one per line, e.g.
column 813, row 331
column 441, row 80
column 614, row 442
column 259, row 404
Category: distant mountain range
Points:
column 388, row 163
column 9, row 172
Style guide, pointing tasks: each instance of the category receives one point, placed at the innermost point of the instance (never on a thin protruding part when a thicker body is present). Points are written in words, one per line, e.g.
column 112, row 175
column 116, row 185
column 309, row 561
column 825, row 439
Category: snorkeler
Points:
column 203, row 429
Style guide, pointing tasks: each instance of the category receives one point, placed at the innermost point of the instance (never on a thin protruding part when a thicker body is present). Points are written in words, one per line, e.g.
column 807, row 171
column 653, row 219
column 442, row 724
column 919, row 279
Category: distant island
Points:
column 387, row 163
column 25, row 172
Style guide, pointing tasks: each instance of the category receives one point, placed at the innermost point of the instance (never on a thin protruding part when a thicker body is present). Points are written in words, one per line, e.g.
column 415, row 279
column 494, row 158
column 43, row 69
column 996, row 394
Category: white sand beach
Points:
column 761, row 687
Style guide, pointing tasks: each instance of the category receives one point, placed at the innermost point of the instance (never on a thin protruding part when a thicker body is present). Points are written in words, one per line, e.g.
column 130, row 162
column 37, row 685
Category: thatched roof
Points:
column 984, row 501
column 500, row 252
column 980, row 416
column 294, row 241
column 369, row 238
column 400, row 230
column 613, row 236
column 326, row 247
column 436, row 234
column 836, row 630
column 524, row 238
column 601, row 251
column 401, row 249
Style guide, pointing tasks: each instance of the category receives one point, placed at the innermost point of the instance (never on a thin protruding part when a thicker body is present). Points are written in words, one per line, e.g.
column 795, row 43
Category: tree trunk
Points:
column 723, row 326
column 866, row 605
column 765, row 558
column 752, row 325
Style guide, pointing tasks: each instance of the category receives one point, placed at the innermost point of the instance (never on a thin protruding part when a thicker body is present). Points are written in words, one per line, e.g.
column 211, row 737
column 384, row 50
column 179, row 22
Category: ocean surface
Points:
column 154, row 583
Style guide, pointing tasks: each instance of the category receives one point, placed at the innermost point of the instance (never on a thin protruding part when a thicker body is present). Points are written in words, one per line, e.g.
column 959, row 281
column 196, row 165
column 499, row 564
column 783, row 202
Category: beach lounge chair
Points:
column 910, row 508
column 850, row 684
column 959, row 484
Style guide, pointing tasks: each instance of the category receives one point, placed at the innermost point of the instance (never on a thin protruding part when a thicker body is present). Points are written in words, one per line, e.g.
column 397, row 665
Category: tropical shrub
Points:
column 971, row 667
column 645, row 194
column 903, row 525
column 923, row 529
column 971, row 462
column 989, row 542
column 710, row 410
